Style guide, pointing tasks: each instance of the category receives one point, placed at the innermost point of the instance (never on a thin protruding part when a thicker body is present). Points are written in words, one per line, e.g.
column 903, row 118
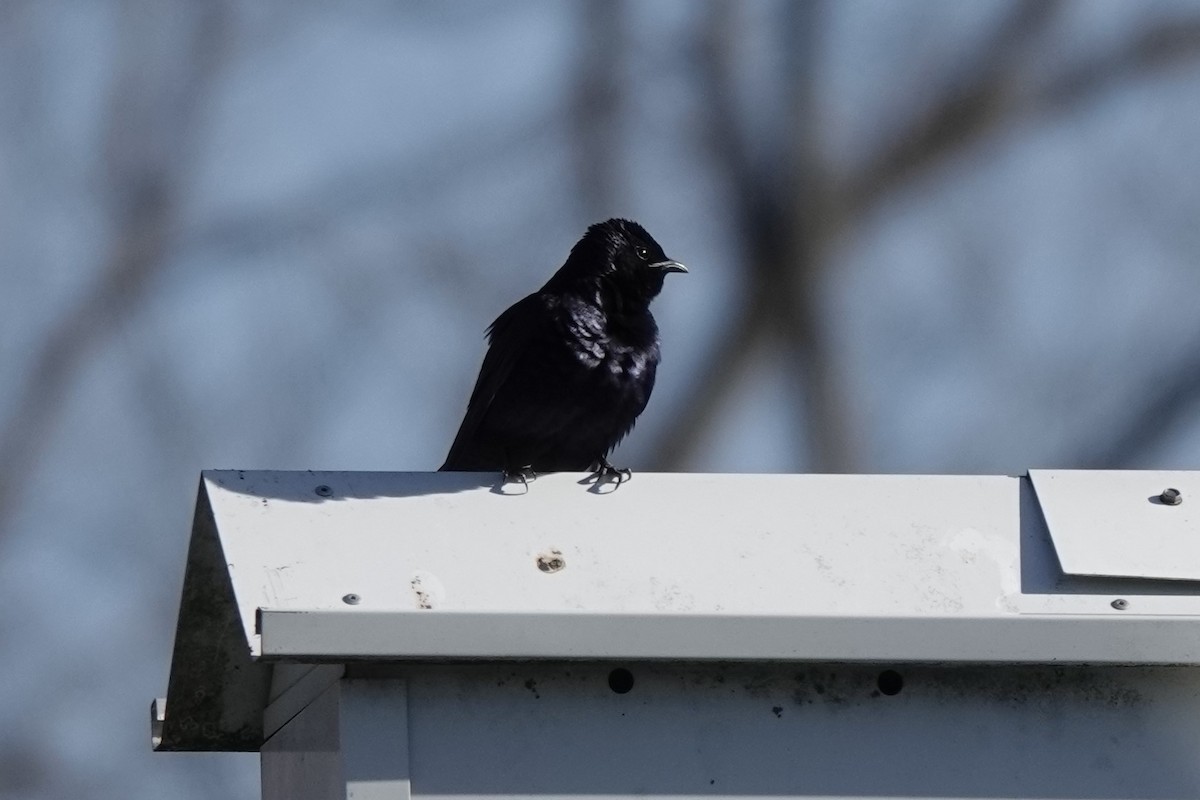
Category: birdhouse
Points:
column 445, row 635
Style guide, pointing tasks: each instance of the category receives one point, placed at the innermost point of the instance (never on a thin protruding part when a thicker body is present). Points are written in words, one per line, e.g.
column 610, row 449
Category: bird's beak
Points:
column 669, row 266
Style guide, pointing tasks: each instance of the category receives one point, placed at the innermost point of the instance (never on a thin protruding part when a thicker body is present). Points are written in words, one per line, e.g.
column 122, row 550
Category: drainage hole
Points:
column 620, row 680
column 890, row 682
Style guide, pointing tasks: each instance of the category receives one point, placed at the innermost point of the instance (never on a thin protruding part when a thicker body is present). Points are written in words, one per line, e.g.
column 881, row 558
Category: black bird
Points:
column 570, row 367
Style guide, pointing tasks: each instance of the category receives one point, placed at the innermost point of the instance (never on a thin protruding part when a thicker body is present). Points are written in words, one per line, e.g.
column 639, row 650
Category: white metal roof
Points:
column 322, row 566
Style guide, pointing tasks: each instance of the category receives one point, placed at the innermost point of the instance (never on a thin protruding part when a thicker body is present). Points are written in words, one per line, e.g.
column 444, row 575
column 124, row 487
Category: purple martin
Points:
column 570, row 367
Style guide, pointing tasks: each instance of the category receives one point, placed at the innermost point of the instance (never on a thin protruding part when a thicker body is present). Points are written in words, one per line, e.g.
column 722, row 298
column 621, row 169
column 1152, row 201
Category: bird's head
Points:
column 622, row 255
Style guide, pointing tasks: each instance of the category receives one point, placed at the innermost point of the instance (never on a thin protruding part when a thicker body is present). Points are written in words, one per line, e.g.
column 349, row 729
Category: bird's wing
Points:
column 508, row 338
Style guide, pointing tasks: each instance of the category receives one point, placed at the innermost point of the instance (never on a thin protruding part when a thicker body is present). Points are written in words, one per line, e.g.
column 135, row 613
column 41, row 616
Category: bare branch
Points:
column 715, row 67
column 965, row 117
column 594, row 111
column 711, row 387
column 811, row 219
column 721, row 371
column 784, row 217
column 966, row 111
column 146, row 153
column 780, row 201
column 1171, row 401
column 1156, row 48
column 407, row 181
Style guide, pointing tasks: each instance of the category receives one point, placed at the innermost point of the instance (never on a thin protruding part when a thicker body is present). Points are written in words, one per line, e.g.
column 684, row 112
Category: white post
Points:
column 351, row 743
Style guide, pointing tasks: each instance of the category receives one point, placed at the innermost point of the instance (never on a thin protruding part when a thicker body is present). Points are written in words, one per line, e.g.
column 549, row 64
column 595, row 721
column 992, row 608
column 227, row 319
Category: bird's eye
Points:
column 642, row 252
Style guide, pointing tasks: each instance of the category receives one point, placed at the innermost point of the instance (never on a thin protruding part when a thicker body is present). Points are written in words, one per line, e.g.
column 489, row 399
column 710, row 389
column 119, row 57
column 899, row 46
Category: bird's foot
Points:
column 607, row 471
column 522, row 475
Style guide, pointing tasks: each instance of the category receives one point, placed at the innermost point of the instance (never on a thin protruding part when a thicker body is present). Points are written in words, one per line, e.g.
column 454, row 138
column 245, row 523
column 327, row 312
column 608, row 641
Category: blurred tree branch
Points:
column 715, row 60
column 1170, row 401
column 785, row 227
column 1000, row 96
column 404, row 183
column 596, row 105
column 780, row 201
column 984, row 97
column 151, row 119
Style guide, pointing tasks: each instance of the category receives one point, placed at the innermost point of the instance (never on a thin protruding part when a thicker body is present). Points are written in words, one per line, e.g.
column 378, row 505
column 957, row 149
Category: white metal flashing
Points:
column 1093, row 639
column 1115, row 524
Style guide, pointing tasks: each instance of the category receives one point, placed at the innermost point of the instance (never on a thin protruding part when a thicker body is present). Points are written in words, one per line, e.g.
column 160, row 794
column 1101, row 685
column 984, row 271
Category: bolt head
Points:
column 324, row 491
column 351, row 599
column 1171, row 497
column 1120, row 604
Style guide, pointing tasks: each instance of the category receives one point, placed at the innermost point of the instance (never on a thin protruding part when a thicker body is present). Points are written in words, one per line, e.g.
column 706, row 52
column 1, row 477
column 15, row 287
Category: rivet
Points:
column 351, row 599
column 1120, row 604
column 1171, row 497
column 324, row 491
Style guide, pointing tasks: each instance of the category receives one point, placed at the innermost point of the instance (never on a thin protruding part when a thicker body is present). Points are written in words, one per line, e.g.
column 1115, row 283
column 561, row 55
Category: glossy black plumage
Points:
column 570, row 367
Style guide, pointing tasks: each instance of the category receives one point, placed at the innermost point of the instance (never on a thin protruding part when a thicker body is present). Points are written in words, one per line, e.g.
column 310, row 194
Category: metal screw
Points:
column 1120, row 604
column 351, row 599
column 1171, row 497
column 324, row 491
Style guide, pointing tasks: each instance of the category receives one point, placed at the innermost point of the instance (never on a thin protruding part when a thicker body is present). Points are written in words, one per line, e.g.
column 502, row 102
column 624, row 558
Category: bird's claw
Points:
column 607, row 471
column 521, row 475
